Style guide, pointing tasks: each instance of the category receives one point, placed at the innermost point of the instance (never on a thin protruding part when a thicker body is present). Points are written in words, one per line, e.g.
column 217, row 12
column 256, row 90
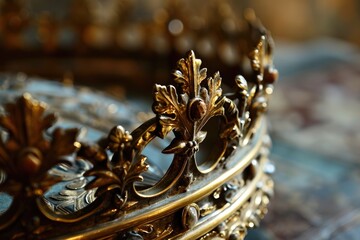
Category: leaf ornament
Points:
column 187, row 106
column 27, row 153
column 118, row 174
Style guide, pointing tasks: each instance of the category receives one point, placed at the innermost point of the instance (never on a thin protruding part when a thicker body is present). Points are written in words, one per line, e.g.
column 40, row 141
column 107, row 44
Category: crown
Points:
column 214, row 184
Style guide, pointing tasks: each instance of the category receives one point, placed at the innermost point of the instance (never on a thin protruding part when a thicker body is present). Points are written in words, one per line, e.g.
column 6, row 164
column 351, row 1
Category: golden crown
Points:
column 216, row 185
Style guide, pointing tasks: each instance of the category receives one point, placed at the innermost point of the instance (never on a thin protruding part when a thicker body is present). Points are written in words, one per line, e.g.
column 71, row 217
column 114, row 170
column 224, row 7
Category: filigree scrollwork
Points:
column 116, row 175
column 154, row 230
column 247, row 217
column 184, row 109
column 26, row 155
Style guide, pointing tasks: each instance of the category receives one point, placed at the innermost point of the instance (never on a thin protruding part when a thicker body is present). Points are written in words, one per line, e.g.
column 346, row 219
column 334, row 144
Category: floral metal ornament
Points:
column 114, row 176
column 184, row 109
column 26, row 155
column 253, row 96
column 198, row 169
column 187, row 107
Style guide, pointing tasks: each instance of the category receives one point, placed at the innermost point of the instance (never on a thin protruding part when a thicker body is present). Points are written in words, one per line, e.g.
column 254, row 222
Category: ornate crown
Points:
column 216, row 184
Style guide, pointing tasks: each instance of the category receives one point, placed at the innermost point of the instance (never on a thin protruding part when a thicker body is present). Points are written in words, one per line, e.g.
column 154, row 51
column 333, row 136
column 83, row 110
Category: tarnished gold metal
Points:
column 219, row 196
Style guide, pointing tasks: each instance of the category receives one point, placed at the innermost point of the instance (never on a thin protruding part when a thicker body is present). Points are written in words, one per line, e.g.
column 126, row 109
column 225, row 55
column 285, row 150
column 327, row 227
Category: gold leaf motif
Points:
column 187, row 107
column 26, row 154
column 212, row 97
column 136, row 169
column 116, row 175
column 257, row 56
column 26, row 151
column 188, row 74
column 171, row 112
column 253, row 97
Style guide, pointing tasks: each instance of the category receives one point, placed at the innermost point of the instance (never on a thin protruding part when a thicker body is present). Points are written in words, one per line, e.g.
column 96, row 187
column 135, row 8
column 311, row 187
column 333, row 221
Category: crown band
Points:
column 219, row 195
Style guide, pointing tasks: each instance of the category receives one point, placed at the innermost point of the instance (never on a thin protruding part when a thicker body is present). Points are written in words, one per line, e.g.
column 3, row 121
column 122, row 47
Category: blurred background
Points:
column 314, row 114
column 305, row 20
column 315, row 109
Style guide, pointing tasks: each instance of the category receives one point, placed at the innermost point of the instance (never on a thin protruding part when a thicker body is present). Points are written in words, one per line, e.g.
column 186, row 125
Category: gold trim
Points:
column 180, row 200
column 227, row 211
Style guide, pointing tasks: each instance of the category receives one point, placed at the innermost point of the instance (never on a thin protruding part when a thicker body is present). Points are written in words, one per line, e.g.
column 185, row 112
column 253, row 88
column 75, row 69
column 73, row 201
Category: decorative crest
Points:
column 129, row 194
column 187, row 108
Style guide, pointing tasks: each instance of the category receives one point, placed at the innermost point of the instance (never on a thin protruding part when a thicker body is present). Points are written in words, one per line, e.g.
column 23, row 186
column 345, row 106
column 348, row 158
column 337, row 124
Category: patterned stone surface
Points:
column 316, row 137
